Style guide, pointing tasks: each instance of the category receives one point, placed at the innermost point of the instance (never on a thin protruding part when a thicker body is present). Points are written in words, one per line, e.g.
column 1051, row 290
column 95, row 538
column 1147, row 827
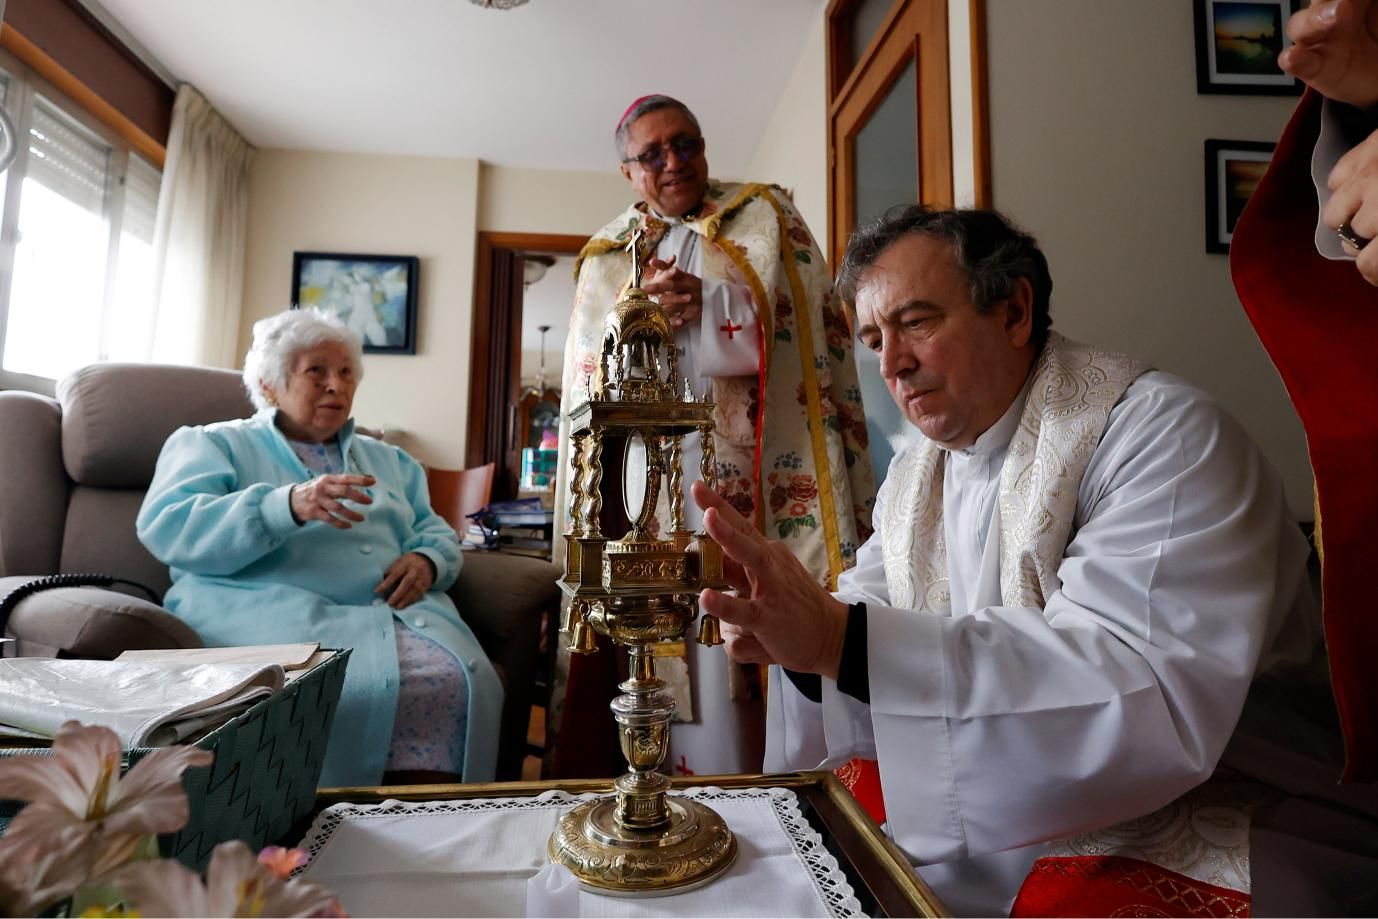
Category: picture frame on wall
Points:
column 1233, row 170
column 375, row 295
column 1237, row 47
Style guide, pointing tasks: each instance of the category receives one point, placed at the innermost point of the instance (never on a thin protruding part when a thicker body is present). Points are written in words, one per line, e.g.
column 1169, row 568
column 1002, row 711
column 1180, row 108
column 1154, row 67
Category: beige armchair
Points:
column 73, row 472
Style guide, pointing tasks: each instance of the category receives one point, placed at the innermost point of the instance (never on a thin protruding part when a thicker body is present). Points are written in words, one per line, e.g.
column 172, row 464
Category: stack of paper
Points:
column 296, row 659
column 148, row 703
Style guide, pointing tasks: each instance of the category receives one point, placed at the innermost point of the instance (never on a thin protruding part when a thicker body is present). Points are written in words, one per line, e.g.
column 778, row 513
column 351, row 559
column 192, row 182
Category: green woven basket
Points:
column 267, row 763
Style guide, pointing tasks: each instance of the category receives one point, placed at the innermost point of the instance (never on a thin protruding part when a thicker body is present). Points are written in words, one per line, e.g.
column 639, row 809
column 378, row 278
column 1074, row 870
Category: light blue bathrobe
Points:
column 245, row 573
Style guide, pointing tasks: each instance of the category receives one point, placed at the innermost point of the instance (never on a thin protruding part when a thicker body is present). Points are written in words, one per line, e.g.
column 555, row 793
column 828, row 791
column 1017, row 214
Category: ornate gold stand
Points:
column 643, row 842
column 638, row 590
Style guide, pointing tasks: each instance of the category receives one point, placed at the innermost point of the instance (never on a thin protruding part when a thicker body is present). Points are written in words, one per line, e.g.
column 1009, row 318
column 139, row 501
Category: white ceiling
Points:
column 539, row 86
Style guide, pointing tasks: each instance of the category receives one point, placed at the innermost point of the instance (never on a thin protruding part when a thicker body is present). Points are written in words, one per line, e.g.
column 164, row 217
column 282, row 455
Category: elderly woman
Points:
column 289, row 526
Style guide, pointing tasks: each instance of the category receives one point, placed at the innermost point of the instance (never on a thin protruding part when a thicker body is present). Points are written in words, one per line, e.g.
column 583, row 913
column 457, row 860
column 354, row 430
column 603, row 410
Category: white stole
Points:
column 1074, row 387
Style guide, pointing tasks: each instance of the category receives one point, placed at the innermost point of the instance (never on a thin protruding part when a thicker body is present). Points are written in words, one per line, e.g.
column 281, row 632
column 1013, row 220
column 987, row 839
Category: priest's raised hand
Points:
column 780, row 614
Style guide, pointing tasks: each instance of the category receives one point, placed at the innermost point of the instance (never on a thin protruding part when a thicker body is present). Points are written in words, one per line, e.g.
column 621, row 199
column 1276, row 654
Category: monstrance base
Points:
column 692, row 849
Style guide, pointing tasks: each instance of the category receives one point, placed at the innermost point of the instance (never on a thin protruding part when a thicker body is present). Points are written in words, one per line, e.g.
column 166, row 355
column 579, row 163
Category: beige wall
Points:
column 1097, row 148
column 429, row 207
column 549, row 201
column 794, row 148
column 379, row 204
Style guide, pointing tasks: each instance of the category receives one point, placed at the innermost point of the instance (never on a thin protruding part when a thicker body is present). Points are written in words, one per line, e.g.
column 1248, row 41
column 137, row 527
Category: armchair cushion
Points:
column 504, row 599
column 90, row 622
column 115, row 417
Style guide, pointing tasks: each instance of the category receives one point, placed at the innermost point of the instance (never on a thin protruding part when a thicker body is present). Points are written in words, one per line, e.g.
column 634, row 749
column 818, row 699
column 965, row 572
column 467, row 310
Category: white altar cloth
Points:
column 474, row 857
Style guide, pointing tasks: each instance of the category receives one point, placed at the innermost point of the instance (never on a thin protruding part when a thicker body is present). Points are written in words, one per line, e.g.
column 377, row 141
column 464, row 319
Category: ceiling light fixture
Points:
column 498, row 4
column 534, row 268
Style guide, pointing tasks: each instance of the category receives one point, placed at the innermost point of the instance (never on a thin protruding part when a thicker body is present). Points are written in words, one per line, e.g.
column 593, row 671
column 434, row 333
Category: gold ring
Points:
column 1347, row 234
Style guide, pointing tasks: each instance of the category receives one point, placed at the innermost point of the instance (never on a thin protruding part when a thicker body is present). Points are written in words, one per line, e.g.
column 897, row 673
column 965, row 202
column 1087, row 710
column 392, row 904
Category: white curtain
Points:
column 199, row 238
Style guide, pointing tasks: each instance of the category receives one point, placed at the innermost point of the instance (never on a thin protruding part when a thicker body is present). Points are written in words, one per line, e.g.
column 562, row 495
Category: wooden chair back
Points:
column 457, row 493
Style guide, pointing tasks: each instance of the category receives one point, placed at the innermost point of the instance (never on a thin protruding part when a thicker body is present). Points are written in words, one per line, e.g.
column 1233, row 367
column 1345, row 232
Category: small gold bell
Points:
column 708, row 631
column 583, row 640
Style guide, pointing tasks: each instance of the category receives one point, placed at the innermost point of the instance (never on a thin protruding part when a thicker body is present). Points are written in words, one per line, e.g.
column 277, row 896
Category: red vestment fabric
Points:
column 862, row 778
column 1318, row 321
column 1112, row 885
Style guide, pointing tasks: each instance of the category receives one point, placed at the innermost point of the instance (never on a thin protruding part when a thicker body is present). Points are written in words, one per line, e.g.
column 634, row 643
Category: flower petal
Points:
column 37, row 870
column 300, row 898
column 150, row 798
column 45, row 821
column 282, row 862
column 232, row 867
column 109, row 851
column 163, row 888
column 43, row 779
column 83, row 751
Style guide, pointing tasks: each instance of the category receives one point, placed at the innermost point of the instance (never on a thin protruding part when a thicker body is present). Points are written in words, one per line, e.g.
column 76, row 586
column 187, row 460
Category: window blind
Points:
column 141, row 182
column 67, row 159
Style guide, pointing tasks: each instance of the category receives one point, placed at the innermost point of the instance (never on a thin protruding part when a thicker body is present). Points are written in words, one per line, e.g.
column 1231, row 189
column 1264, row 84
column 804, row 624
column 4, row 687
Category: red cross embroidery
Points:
column 729, row 328
column 682, row 767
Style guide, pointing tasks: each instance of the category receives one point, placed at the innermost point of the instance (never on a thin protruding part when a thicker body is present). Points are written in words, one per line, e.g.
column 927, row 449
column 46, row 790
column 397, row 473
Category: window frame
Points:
column 25, row 86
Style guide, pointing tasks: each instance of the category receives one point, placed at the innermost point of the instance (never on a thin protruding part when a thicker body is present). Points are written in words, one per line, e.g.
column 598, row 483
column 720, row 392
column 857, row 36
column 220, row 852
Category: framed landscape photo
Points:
column 1237, row 47
column 375, row 295
column 1233, row 171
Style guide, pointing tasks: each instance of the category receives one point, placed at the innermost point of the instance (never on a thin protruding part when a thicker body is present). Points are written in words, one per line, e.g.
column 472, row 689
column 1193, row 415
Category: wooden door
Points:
column 890, row 138
column 495, row 356
column 890, row 110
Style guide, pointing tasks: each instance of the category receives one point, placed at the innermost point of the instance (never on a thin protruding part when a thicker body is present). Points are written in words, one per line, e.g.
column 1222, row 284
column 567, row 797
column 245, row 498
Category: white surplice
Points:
column 996, row 727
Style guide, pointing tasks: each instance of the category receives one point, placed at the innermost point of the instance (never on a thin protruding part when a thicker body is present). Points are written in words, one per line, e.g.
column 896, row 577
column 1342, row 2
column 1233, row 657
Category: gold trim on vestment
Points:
column 813, row 395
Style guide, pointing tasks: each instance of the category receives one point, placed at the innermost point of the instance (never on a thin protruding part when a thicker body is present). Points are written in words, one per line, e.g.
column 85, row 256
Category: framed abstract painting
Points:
column 375, row 295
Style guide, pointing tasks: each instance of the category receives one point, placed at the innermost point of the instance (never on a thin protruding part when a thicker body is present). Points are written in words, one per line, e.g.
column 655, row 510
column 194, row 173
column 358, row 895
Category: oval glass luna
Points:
column 634, row 474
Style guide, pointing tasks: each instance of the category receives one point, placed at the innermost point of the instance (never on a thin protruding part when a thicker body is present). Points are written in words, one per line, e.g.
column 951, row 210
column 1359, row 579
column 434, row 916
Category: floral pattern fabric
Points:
column 791, row 442
column 432, row 706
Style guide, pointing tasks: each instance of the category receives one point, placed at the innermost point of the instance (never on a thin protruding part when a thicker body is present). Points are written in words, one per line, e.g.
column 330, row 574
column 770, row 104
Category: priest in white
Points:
column 1076, row 573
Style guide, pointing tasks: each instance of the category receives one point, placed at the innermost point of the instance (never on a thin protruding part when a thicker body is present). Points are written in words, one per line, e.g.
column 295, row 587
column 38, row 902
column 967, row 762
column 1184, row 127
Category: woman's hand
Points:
column 407, row 580
column 322, row 499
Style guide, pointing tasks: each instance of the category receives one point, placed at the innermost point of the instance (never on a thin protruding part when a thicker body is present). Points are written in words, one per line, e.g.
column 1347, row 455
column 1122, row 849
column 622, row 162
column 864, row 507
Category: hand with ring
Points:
column 1353, row 205
column 678, row 292
column 323, row 499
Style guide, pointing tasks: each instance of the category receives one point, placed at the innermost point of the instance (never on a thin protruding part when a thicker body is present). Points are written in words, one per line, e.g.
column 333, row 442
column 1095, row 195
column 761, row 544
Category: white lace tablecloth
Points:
column 473, row 858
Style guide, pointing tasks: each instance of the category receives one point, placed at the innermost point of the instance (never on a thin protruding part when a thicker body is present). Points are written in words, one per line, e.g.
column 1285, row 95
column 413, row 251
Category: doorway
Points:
column 496, row 386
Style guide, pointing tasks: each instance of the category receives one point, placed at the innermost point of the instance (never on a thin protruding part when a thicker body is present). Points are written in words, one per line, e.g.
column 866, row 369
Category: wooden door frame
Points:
column 495, row 348
column 912, row 30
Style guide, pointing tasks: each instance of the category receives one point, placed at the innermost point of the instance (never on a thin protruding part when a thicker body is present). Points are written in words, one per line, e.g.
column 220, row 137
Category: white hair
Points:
column 279, row 338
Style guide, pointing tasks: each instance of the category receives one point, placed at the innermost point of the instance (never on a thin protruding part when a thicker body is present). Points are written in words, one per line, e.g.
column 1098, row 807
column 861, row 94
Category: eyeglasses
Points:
column 654, row 159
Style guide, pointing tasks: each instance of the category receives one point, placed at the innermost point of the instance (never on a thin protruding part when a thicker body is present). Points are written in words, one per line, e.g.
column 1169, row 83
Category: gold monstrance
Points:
column 639, row 590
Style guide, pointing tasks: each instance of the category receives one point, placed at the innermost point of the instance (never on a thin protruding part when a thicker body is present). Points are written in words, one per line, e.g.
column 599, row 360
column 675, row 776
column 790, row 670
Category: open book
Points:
column 148, row 704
